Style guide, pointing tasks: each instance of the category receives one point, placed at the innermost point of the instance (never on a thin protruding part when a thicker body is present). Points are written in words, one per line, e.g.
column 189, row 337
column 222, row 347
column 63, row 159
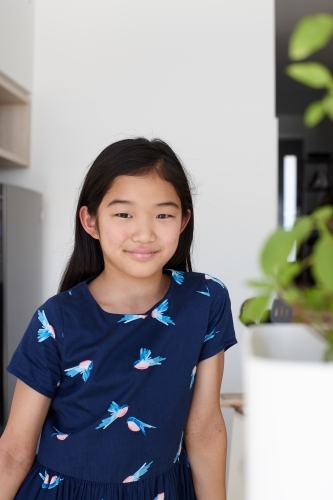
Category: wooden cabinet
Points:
column 14, row 124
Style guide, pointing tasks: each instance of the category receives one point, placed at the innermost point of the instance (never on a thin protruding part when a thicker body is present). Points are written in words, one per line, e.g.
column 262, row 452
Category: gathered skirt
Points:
column 46, row 484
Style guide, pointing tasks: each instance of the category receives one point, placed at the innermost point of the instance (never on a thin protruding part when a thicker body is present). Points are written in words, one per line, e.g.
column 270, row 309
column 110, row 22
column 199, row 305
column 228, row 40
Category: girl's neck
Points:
column 127, row 295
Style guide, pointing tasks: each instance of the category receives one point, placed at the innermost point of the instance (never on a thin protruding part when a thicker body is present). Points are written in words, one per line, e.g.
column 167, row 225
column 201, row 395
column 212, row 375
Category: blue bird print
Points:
column 116, row 412
column 136, row 425
column 210, row 335
column 84, row 368
column 146, row 361
column 50, row 482
column 157, row 313
column 187, row 461
column 138, row 473
column 178, row 276
column 132, row 317
column 194, row 371
column 179, row 449
column 207, row 292
column 209, row 277
column 47, row 330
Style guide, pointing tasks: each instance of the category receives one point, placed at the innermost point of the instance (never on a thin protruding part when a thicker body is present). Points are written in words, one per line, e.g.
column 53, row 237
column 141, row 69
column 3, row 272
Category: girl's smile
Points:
column 141, row 254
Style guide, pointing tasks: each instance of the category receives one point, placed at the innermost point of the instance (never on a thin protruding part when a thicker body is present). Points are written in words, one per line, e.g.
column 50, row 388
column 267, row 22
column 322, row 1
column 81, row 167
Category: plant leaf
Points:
column 288, row 273
column 314, row 298
column 302, row 229
column 292, row 295
column 276, row 251
column 328, row 355
column 314, row 114
column 323, row 213
column 254, row 310
column 310, row 34
column 328, row 105
column 323, row 262
column 312, row 74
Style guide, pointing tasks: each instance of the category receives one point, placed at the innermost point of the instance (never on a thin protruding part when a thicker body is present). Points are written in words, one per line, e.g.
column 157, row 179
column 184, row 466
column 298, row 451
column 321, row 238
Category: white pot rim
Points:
column 291, row 343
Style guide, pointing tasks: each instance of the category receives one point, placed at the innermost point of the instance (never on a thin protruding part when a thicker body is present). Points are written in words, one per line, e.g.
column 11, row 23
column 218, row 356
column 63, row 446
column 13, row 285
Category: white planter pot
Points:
column 289, row 427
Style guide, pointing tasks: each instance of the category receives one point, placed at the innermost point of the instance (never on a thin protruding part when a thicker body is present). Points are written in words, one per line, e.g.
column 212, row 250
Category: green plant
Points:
column 311, row 34
column 311, row 304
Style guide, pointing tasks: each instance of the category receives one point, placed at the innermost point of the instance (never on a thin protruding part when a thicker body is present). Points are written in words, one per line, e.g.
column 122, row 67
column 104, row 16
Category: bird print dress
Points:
column 121, row 388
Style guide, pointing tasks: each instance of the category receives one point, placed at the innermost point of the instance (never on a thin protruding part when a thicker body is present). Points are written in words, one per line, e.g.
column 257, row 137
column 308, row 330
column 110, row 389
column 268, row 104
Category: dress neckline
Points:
column 93, row 300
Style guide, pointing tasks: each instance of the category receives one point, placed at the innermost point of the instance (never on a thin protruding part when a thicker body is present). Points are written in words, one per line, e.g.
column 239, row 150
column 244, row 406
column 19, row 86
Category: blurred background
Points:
column 205, row 76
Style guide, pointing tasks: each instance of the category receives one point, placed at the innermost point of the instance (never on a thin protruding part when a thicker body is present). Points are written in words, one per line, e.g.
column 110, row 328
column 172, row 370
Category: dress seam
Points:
column 103, row 482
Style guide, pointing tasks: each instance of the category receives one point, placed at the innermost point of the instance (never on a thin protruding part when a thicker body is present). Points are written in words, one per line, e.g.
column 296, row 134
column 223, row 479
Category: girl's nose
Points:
column 143, row 232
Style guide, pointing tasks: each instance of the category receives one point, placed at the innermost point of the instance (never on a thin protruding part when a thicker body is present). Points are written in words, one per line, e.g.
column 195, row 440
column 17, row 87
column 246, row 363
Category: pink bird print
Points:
column 84, row 368
column 146, row 361
column 160, row 496
column 209, row 277
column 157, row 313
column 179, row 449
column 49, row 483
column 132, row 317
column 60, row 435
column 136, row 425
column 138, row 473
column 116, row 412
column 47, row 330
column 194, row 371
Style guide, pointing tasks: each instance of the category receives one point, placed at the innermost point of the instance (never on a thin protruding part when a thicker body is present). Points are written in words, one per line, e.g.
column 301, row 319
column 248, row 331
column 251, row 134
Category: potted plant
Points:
column 287, row 383
column 312, row 305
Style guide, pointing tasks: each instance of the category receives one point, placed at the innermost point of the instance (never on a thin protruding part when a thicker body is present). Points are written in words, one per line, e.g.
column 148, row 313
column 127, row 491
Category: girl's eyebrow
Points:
column 167, row 204
column 117, row 201
column 127, row 202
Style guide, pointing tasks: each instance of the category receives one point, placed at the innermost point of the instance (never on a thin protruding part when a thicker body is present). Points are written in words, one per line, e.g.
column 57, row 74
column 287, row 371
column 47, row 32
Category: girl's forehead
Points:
column 148, row 187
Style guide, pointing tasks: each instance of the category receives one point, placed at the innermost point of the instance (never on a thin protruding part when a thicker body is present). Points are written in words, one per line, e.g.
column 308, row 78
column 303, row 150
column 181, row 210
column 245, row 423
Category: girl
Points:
column 122, row 369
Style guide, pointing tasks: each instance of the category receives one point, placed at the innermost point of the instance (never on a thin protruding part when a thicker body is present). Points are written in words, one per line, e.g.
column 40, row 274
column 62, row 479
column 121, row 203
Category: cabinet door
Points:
column 16, row 40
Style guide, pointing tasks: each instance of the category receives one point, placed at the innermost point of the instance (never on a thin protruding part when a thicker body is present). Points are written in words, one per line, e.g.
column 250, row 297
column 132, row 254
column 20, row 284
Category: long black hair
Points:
column 137, row 157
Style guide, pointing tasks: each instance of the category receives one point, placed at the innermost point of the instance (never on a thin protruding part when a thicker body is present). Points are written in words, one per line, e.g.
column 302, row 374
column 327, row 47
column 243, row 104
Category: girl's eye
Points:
column 163, row 216
column 124, row 215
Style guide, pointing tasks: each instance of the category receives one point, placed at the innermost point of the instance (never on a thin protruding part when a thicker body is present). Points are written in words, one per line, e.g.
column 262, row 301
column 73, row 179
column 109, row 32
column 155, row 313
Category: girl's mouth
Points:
column 141, row 255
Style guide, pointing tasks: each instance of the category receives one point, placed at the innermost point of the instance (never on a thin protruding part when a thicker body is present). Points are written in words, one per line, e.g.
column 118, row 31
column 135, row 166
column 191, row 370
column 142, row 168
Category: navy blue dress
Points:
column 121, row 388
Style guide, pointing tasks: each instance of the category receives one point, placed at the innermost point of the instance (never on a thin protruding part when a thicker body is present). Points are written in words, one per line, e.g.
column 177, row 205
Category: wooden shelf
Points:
column 14, row 124
column 232, row 400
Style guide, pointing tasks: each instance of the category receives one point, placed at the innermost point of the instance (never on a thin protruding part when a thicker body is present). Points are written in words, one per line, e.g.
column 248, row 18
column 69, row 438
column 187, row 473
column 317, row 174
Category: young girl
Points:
column 121, row 370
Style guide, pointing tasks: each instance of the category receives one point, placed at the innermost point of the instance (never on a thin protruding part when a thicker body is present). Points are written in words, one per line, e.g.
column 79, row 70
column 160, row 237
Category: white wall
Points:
column 198, row 74
column 16, row 40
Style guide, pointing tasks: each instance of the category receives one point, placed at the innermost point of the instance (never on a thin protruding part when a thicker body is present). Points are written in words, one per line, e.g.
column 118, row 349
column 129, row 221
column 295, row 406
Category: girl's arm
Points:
column 205, row 433
column 19, row 441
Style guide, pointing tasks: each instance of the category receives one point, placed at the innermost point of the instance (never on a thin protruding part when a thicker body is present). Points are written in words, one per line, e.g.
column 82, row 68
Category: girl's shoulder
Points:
column 57, row 304
column 195, row 278
column 192, row 285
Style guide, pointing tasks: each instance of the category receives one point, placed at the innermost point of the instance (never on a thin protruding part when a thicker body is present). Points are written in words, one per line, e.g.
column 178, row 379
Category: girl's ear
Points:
column 88, row 222
column 185, row 220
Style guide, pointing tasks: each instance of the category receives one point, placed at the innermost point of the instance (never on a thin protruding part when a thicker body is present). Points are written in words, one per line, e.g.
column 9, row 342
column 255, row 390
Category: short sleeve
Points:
column 220, row 334
column 37, row 359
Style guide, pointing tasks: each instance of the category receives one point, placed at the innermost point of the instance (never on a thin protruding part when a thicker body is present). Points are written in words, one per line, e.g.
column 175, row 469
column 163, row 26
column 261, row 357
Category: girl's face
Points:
column 138, row 224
